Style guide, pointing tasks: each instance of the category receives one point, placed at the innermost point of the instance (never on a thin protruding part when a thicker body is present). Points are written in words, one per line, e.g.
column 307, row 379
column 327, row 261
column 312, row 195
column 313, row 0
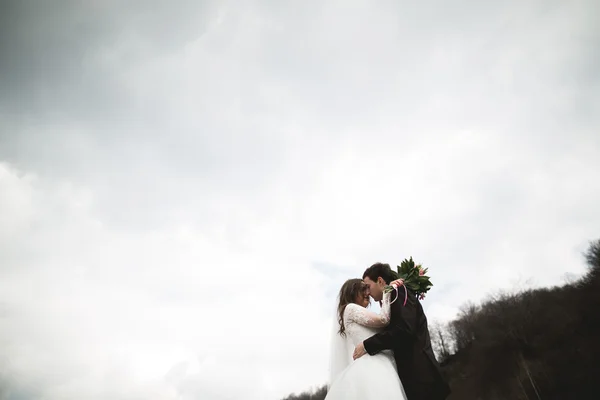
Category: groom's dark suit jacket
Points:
column 408, row 336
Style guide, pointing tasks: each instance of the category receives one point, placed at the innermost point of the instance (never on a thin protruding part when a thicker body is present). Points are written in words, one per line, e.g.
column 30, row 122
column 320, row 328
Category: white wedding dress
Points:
column 368, row 377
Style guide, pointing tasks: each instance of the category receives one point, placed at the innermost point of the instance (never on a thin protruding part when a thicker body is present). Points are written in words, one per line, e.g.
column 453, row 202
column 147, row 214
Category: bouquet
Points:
column 410, row 276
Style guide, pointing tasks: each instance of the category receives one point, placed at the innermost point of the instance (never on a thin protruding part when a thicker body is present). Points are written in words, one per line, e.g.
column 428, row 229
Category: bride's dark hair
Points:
column 348, row 294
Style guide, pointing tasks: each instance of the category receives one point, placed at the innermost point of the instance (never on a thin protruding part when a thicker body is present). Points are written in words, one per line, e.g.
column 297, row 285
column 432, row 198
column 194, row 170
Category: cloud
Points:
column 183, row 189
column 125, row 307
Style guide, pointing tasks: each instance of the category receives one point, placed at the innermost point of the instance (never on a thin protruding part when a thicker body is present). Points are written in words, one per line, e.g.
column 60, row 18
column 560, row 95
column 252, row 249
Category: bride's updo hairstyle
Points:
column 350, row 290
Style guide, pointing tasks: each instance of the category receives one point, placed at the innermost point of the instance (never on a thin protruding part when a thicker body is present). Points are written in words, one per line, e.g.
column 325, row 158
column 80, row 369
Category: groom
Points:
column 407, row 335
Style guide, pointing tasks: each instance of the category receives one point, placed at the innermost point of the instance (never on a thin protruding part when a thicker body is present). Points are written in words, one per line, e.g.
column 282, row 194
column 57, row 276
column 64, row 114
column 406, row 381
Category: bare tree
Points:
column 440, row 340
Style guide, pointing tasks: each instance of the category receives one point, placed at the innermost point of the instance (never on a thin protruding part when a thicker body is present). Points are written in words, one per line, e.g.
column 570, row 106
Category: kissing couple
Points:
column 386, row 355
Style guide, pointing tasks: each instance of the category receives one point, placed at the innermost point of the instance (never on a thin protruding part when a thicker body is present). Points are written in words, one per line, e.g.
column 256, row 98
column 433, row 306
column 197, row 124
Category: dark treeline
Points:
column 537, row 344
column 318, row 394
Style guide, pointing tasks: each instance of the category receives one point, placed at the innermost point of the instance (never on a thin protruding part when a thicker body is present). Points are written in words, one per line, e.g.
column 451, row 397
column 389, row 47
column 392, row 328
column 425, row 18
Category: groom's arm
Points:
column 402, row 328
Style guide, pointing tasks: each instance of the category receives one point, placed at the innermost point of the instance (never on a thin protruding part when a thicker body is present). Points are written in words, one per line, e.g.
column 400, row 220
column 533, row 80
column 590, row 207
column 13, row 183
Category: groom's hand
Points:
column 359, row 351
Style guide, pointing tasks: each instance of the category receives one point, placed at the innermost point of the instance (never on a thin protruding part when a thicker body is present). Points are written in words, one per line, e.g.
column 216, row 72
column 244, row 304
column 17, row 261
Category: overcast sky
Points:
column 185, row 185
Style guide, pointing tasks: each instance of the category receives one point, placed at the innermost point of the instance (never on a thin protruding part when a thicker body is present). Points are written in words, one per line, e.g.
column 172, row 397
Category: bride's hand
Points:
column 359, row 351
column 397, row 283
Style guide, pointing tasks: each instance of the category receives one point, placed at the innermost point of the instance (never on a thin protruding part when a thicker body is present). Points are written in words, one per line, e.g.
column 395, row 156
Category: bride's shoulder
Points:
column 353, row 312
column 350, row 307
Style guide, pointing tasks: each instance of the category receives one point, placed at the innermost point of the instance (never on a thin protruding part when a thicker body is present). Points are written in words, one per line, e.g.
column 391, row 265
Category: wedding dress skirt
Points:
column 368, row 378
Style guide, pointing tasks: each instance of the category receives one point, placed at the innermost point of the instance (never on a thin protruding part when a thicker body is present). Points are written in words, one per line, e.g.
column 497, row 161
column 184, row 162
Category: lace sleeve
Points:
column 364, row 317
column 385, row 307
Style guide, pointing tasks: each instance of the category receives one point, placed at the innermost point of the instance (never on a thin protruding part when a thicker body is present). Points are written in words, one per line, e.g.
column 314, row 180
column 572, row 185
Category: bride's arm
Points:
column 404, row 328
column 364, row 317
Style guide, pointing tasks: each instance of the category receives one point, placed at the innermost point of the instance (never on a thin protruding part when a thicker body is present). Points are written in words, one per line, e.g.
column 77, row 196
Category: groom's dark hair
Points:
column 380, row 270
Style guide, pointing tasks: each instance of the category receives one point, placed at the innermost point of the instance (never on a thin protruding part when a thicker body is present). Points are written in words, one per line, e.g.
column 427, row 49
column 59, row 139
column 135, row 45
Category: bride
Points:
column 370, row 377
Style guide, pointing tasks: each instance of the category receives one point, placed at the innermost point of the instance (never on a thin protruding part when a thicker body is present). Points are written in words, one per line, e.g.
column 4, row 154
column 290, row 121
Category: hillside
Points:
column 537, row 344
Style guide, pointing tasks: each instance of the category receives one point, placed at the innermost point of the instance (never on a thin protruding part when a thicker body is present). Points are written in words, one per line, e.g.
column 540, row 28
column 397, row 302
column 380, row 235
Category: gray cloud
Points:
column 150, row 154
column 49, row 65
